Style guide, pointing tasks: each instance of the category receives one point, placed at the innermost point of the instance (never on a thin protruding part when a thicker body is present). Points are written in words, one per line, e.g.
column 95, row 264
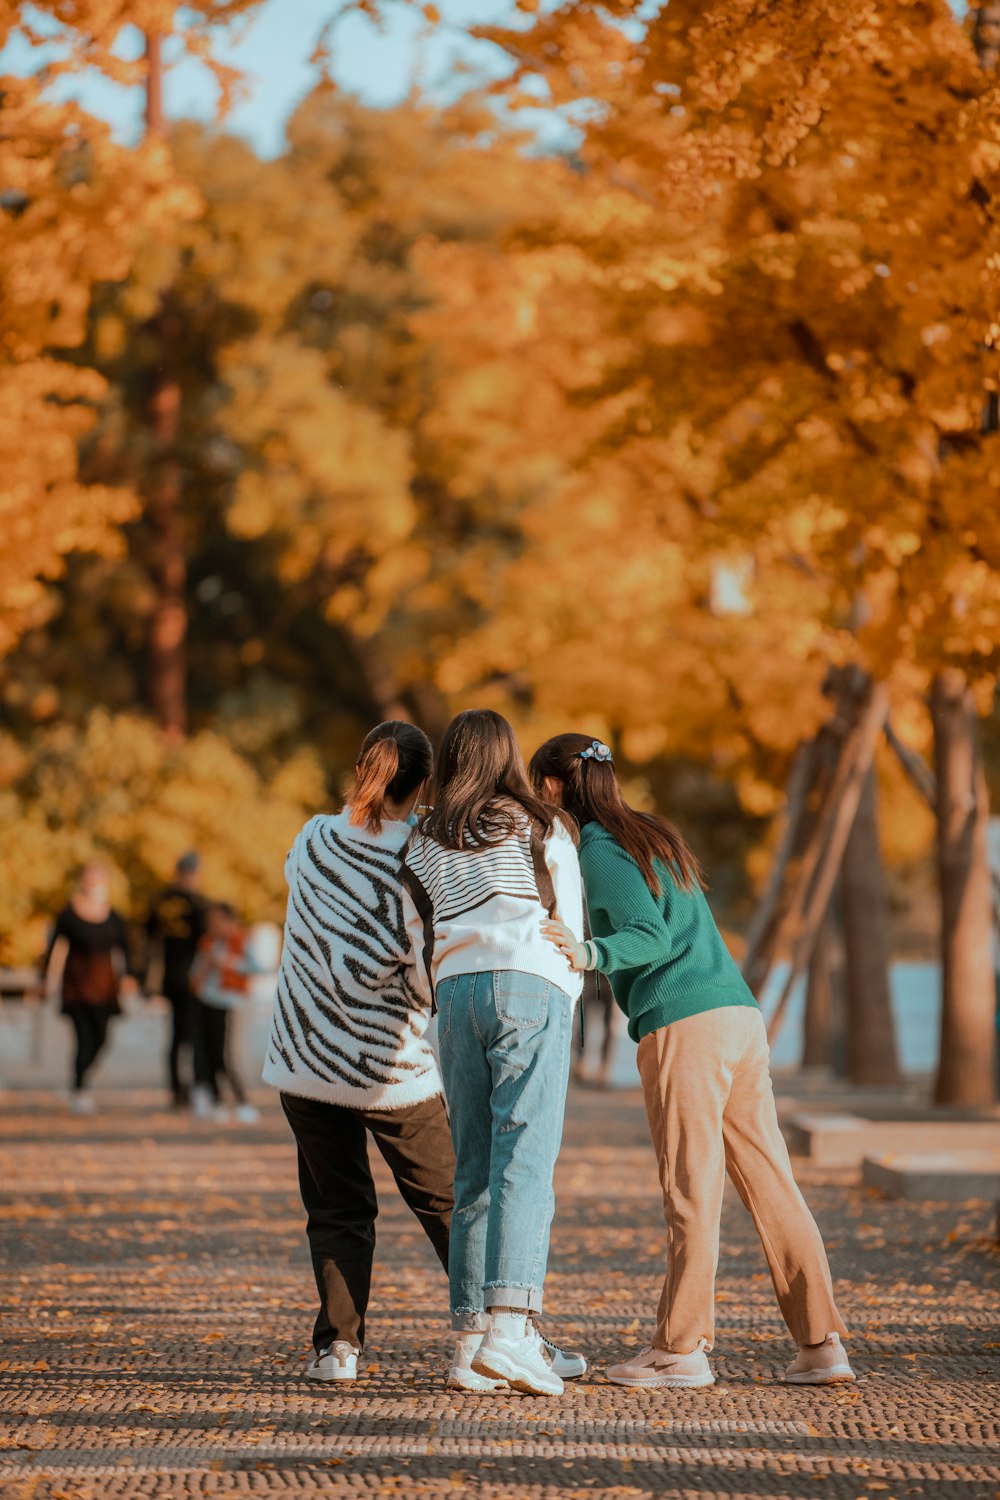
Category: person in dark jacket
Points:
column 88, row 956
column 174, row 929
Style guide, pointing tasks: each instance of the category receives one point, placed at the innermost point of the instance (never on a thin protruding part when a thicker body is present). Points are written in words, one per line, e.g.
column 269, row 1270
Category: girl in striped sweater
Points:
column 483, row 870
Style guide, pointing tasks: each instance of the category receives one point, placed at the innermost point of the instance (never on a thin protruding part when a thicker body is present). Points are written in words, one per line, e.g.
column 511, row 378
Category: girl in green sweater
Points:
column 703, row 1061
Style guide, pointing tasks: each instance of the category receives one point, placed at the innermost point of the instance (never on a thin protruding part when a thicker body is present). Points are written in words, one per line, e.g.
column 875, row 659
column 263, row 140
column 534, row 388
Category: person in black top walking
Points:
column 90, row 942
column 174, row 929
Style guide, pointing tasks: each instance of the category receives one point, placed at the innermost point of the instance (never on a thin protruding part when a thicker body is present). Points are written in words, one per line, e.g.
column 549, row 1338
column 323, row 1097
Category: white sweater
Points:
column 349, row 1022
column 472, row 910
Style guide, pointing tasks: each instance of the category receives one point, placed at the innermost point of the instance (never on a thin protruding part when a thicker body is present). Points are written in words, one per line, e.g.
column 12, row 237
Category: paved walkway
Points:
column 156, row 1302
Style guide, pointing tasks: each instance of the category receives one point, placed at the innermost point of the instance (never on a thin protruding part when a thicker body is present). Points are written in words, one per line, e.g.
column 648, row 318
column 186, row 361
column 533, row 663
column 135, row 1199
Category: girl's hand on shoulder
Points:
column 558, row 933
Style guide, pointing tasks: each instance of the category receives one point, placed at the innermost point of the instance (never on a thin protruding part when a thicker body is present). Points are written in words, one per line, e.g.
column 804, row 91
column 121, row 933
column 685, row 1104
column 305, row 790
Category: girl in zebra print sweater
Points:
column 348, row 1046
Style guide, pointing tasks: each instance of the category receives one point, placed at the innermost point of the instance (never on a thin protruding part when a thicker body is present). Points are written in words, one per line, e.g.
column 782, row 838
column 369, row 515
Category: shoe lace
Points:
column 540, row 1346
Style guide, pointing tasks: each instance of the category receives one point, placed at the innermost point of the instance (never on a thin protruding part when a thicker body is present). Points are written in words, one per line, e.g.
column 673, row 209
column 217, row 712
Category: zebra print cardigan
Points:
column 349, row 1026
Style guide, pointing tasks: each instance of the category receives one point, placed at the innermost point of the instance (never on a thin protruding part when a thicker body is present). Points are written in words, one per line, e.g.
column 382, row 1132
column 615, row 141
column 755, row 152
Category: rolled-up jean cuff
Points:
column 528, row 1297
column 470, row 1322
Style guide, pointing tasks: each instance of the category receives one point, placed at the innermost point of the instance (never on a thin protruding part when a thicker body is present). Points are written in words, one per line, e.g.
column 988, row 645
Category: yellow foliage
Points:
column 117, row 791
column 500, row 419
column 754, row 325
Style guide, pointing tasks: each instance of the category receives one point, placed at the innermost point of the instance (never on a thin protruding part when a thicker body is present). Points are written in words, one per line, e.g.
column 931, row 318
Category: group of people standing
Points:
column 194, row 952
column 466, row 888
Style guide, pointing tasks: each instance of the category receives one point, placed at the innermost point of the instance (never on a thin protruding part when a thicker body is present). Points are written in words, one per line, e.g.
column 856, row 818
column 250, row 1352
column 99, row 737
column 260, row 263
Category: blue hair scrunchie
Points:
column 598, row 751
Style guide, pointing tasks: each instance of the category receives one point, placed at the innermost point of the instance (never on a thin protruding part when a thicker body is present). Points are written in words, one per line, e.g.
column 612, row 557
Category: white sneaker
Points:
column 659, row 1367
column 81, row 1103
column 247, row 1114
column 339, row 1362
column 519, row 1361
column 824, row 1364
column 462, row 1377
column 202, row 1103
column 566, row 1365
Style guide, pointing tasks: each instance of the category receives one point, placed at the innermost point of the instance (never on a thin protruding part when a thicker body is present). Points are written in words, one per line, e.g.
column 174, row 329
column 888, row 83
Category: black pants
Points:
column 339, row 1196
column 182, row 1002
column 90, row 1023
column 212, row 1062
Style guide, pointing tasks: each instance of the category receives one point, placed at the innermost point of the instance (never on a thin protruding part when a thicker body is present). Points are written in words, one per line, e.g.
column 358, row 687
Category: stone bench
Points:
column 936, row 1176
column 844, row 1140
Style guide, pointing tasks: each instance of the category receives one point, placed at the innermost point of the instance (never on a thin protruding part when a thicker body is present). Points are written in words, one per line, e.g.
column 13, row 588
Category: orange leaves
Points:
column 791, row 356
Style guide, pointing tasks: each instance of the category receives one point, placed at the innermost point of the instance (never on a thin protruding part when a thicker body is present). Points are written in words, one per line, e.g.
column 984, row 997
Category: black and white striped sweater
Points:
column 481, row 908
column 349, row 1025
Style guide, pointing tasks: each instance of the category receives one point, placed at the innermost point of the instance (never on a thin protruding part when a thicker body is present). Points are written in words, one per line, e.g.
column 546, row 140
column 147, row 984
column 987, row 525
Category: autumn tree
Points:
column 767, row 327
column 326, row 549
column 74, row 209
column 68, row 215
column 315, row 479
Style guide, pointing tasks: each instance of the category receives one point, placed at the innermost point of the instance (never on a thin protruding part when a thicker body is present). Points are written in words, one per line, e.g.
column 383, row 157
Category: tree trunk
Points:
column 965, row 1065
column 986, row 34
column 164, row 501
column 871, row 1036
column 966, row 1070
column 164, row 489
column 430, row 709
column 379, row 678
column 820, row 1025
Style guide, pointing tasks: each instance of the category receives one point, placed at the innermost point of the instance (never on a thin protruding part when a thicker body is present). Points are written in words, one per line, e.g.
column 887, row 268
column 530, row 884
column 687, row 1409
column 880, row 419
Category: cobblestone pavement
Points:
column 157, row 1302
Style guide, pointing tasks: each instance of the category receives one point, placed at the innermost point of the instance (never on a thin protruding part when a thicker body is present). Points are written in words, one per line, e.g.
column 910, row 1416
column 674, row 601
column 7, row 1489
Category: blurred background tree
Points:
column 778, row 318
column 642, row 436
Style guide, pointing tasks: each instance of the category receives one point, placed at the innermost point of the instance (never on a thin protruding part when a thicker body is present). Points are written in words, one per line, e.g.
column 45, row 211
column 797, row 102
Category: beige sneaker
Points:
column 825, row 1364
column 658, row 1367
column 339, row 1362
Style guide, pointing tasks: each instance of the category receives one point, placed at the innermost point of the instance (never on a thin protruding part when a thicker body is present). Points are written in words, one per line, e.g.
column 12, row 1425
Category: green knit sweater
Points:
column 663, row 954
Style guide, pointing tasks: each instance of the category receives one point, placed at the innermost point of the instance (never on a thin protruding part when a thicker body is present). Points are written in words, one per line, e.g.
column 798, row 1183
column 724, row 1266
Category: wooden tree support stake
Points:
column 916, row 768
column 818, row 871
column 760, row 936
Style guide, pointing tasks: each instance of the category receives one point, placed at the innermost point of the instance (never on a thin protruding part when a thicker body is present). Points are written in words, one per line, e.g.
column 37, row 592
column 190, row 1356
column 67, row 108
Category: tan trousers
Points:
column 711, row 1111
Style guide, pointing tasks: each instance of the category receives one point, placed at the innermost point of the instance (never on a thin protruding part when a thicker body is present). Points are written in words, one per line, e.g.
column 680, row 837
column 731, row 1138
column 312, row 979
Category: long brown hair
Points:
column 591, row 794
column 395, row 758
column 480, row 785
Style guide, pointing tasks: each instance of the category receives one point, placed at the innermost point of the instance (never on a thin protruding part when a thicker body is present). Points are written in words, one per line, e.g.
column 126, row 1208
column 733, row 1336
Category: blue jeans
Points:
column 504, row 1039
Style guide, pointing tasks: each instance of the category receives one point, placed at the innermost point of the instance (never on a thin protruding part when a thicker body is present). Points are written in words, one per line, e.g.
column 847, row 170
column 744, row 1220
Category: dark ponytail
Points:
column 395, row 758
column 591, row 794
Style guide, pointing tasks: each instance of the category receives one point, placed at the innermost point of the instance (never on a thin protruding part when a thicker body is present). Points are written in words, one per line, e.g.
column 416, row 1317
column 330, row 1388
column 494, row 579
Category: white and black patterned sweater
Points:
column 349, row 1023
column 477, row 909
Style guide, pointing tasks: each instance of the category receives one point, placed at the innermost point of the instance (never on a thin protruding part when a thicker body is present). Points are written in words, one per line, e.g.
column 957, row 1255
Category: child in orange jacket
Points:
column 220, row 978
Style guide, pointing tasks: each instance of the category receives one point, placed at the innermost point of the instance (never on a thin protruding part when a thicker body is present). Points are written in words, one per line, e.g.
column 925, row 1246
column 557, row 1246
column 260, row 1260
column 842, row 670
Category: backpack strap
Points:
column 543, row 875
column 425, row 911
column 547, row 896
